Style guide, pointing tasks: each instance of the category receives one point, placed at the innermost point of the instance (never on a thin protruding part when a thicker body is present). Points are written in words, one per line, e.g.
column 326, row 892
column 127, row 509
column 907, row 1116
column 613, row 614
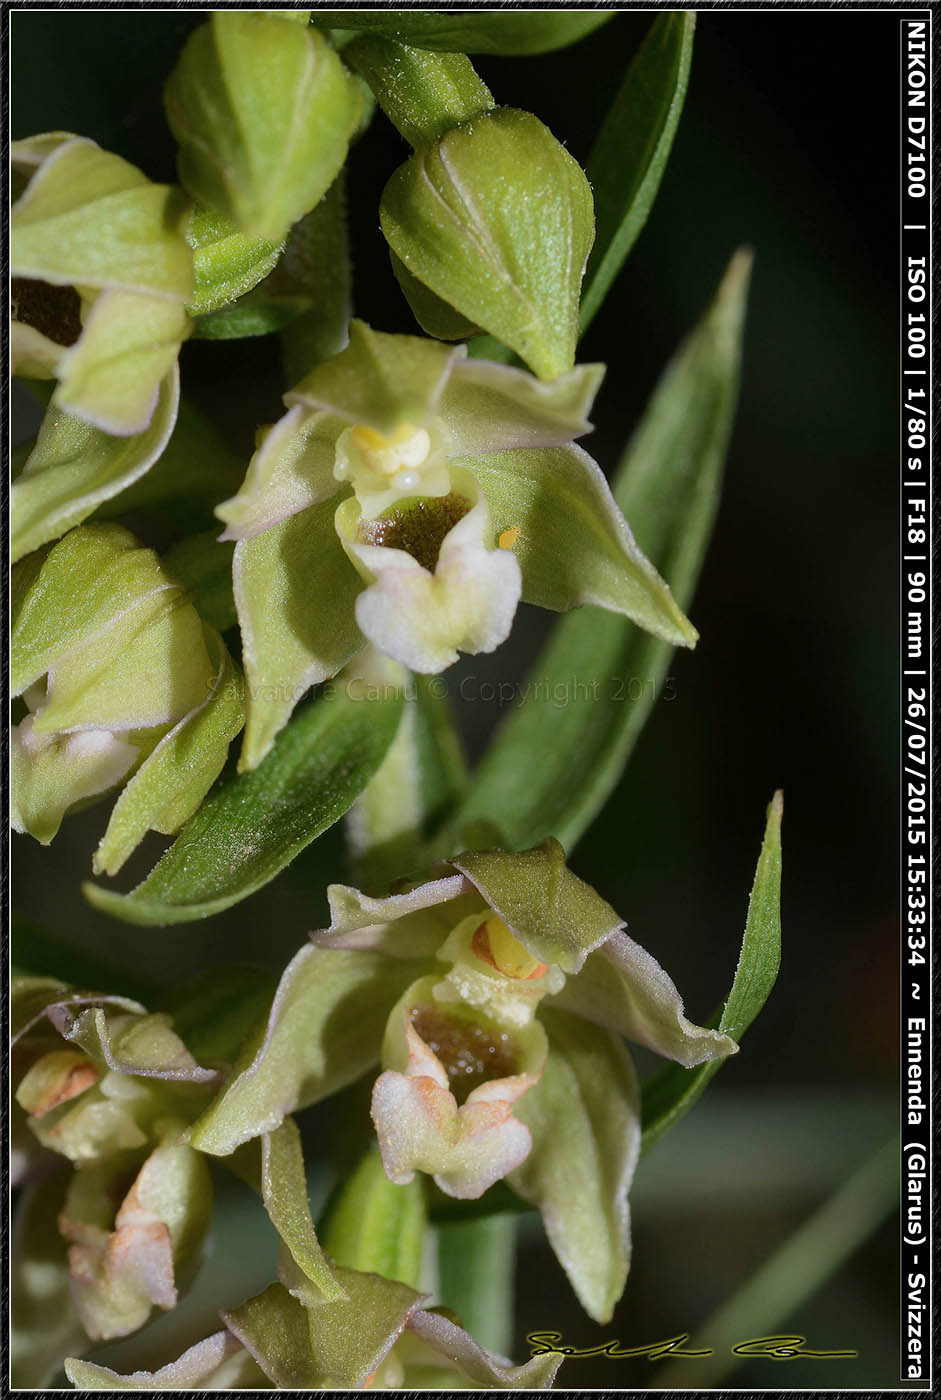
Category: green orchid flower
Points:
column 494, row 996
column 123, row 685
column 101, row 277
column 412, row 496
column 110, row 1088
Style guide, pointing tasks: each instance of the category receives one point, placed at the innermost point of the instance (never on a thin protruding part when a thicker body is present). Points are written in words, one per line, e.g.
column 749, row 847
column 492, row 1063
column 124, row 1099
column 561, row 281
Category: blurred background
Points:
column 788, row 144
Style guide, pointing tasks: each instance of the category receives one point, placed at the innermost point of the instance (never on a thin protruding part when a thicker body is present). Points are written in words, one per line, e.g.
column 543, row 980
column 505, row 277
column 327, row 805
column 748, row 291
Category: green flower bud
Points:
column 263, row 110
column 496, row 220
column 119, row 676
column 101, row 278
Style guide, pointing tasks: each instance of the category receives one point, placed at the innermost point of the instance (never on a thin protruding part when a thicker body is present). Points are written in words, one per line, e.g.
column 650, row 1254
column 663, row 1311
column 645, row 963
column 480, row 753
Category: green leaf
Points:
column 74, row 468
column 632, row 148
column 263, row 110
column 573, row 545
column 175, row 777
column 423, row 94
column 377, row 1227
column 496, row 219
column 535, row 31
column 556, row 759
column 673, row 1091
column 254, row 825
column 203, row 564
column 284, row 1190
column 584, row 1115
column 323, row 1032
column 350, row 1338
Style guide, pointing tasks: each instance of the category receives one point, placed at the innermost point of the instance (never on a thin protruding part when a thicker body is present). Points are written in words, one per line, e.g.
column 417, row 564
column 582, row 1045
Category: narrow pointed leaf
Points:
column 226, row 264
column 74, row 468
column 673, row 1091
column 584, row 1115
column 254, row 825
column 551, row 766
column 633, row 146
column 535, row 31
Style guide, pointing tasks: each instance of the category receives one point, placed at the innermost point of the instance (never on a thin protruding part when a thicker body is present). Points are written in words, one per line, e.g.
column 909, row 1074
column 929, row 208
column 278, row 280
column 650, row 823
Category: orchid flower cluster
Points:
column 470, row 1000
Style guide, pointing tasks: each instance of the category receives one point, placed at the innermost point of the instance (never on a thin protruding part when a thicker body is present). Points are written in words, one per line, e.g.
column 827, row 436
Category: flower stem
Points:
column 476, row 1266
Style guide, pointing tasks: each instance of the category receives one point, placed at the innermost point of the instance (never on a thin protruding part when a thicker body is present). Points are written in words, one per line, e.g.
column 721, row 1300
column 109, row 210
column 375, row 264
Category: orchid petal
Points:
column 488, row 407
column 424, row 619
column 623, row 987
column 324, row 1031
column 556, row 916
column 573, row 544
column 295, row 594
column 409, row 925
column 584, row 1116
column 292, row 468
column 379, row 380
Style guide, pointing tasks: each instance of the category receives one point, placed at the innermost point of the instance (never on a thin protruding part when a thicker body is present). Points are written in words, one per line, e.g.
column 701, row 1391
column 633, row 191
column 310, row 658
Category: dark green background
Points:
column 788, row 144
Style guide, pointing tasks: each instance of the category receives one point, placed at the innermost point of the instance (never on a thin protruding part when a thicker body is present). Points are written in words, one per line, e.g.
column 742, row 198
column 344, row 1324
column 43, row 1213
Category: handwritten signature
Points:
column 778, row 1348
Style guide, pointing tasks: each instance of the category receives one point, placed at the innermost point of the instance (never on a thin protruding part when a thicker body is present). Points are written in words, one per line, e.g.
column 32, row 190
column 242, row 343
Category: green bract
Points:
column 447, row 486
column 101, row 278
column 263, row 110
column 442, row 983
column 111, row 1088
column 120, row 677
column 496, row 220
